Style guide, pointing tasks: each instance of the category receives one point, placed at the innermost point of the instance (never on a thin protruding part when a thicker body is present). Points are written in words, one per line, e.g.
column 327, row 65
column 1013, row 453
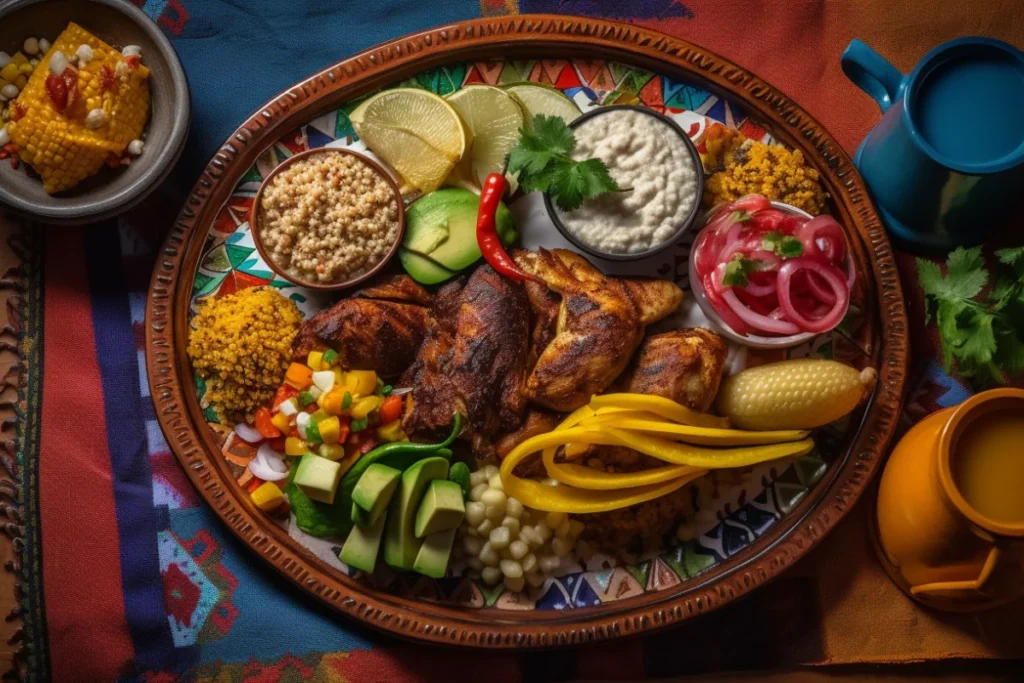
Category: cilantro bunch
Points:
column 984, row 334
column 541, row 158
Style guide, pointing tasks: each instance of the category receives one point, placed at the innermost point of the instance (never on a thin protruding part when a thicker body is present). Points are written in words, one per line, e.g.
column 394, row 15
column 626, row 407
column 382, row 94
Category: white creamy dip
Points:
column 644, row 153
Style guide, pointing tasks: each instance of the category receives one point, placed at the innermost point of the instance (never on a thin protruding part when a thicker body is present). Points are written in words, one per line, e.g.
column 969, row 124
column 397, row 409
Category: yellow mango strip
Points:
column 584, row 477
column 703, row 436
column 644, row 414
column 659, row 406
column 614, row 415
column 696, row 456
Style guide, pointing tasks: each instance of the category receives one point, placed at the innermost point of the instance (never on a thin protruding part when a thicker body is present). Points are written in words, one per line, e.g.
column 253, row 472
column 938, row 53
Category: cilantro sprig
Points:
column 785, row 246
column 542, row 160
column 983, row 334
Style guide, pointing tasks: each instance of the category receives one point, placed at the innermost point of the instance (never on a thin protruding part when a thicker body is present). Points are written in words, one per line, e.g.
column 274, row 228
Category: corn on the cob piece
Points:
column 59, row 146
column 793, row 394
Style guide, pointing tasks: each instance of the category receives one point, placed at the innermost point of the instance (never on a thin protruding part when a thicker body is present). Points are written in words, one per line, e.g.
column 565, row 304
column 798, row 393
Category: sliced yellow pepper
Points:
column 330, row 402
column 267, row 496
column 364, row 406
column 330, row 428
column 314, row 360
column 705, row 436
column 697, row 456
column 362, row 382
column 659, row 406
column 584, row 477
column 294, row 446
column 392, row 431
column 331, row 451
column 609, row 415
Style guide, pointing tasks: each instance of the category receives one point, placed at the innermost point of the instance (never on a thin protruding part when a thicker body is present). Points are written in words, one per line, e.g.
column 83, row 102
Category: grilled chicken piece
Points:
column 379, row 328
column 683, row 365
column 600, row 323
column 473, row 361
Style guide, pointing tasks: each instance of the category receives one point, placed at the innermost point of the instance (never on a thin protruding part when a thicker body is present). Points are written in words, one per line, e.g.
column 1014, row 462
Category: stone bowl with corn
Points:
column 64, row 185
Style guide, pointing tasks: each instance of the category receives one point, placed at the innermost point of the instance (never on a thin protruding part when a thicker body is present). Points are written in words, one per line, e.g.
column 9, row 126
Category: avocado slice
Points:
column 360, row 517
column 318, row 477
column 362, row 545
column 422, row 269
column 432, row 559
column 374, row 489
column 442, row 508
column 442, row 226
column 400, row 542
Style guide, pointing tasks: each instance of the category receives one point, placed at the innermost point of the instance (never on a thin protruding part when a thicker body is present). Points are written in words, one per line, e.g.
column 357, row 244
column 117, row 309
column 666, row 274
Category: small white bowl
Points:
column 752, row 340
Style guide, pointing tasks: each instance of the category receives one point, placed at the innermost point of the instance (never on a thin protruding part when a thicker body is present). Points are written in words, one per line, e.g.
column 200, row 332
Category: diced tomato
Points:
column 70, row 78
column 391, row 409
column 253, row 484
column 264, row 425
column 57, row 89
column 277, row 444
column 344, row 430
column 133, row 61
column 284, row 392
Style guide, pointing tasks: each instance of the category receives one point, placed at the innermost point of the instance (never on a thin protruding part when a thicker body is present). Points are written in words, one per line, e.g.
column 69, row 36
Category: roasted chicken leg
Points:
column 683, row 365
column 600, row 323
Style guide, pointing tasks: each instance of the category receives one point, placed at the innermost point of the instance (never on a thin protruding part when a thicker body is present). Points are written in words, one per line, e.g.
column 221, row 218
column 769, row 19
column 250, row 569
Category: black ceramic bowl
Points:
column 680, row 230
column 111, row 191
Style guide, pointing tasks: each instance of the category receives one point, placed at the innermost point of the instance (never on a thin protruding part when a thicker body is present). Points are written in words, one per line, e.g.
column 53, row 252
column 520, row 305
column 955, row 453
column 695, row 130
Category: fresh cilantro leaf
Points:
column 965, row 273
column 785, row 246
column 978, row 346
column 576, row 182
column 770, row 241
column 949, row 332
column 736, row 271
column 740, row 216
column 1011, row 257
column 529, row 155
column 554, row 133
column 1009, row 354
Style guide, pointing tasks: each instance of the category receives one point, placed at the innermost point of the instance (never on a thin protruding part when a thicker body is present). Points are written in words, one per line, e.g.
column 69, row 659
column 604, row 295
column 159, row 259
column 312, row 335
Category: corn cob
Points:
column 793, row 394
column 59, row 146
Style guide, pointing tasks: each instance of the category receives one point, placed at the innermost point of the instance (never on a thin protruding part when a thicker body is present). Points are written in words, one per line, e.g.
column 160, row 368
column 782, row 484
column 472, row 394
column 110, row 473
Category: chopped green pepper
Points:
column 459, row 473
column 358, row 425
column 313, row 432
column 346, row 401
column 386, row 390
column 330, row 357
column 305, row 398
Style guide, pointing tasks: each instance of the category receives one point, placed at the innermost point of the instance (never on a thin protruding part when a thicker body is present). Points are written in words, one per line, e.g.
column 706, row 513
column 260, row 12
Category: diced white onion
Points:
column 272, row 458
column 130, row 50
column 301, row 422
column 247, row 433
column 135, row 147
column 314, row 392
column 324, row 380
column 84, row 54
column 289, row 407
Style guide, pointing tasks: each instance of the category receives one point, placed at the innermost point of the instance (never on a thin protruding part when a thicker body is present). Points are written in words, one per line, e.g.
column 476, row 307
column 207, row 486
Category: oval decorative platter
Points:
column 742, row 527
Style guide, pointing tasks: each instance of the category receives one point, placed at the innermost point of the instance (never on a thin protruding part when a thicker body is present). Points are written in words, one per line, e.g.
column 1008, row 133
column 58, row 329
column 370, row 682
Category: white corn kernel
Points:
column 5, row 59
column 518, row 550
column 494, row 497
column 513, row 508
column 477, row 491
column 491, row 575
column 477, row 478
column 495, row 482
column 44, row 45
column 563, row 530
column 543, row 532
column 475, row 513
column 472, row 546
column 490, row 471
column 475, row 564
column 10, row 91
column 548, row 563
column 30, row 47
column 135, row 147
column 559, row 547
column 512, row 524
column 529, row 562
column 132, row 50
column 495, row 513
column 515, row 585
column 484, row 527
column 489, row 556
column 471, row 532
column 58, row 63
column 529, row 534
column 535, row 580
column 555, row 519
column 499, row 538
column 5, row 137
column 511, row 569
column 121, row 69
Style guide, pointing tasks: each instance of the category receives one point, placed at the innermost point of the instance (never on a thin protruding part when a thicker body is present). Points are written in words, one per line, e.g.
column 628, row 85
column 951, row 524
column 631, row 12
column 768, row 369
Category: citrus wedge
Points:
column 416, row 132
column 493, row 118
column 541, row 99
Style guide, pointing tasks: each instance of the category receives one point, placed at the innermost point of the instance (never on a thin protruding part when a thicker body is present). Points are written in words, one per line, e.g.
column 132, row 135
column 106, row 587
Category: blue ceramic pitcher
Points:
column 945, row 165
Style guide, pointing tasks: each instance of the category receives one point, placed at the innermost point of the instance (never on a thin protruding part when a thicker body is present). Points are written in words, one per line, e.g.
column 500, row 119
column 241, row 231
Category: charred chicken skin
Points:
column 683, row 365
column 378, row 328
column 473, row 361
column 599, row 325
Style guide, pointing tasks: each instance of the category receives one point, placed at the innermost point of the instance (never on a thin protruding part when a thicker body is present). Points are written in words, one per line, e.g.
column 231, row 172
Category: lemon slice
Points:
column 541, row 99
column 493, row 118
column 415, row 131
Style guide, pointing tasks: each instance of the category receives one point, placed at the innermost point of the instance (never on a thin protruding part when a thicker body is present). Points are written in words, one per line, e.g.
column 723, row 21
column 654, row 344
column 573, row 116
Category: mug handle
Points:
column 872, row 73
column 944, row 588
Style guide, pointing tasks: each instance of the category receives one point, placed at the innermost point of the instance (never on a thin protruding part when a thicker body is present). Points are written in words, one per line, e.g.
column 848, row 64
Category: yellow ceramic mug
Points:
column 950, row 517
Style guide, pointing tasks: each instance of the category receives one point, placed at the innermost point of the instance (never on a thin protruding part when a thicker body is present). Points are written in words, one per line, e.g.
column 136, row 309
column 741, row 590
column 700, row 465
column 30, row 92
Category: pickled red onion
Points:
column 751, row 203
column 822, row 238
column 832, row 276
column 760, row 323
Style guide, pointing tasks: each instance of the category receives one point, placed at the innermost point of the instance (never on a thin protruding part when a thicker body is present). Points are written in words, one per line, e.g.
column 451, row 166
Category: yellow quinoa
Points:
column 737, row 166
column 241, row 346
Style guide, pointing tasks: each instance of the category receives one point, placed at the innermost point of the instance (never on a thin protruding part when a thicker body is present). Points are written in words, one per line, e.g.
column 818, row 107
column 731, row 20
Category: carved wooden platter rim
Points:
column 183, row 423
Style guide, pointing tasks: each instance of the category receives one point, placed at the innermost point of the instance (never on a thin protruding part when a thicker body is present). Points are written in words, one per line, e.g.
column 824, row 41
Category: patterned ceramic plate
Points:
column 759, row 518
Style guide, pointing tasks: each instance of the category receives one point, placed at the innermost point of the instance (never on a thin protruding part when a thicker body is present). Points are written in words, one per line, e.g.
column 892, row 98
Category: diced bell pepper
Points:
column 280, row 420
column 330, row 357
column 314, row 360
column 332, row 451
column 364, row 406
column 294, row 446
column 265, row 424
column 299, row 376
column 9, row 72
column 329, row 429
column 361, row 382
column 268, row 496
column 18, row 59
column 331, row 401
column 305, row 398
column 324, row 380
column 392, row 431
column 391, row 409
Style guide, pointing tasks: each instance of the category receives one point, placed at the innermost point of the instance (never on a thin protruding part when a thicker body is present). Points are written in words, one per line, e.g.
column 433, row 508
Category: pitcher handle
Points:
column 942, row 588
column 872, row 73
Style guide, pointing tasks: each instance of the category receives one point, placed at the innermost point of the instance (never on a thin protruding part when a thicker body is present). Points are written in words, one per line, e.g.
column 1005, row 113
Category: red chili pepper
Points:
column 17, row 110
column 133, row 61
column 487, row 232
column 108, row 81
column 57, row 89
column 15, row 162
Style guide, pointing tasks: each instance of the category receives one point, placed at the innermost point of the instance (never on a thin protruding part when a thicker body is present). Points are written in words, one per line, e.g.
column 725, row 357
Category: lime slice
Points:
column 493, row 118
column 415, row 131
column 541, row 99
